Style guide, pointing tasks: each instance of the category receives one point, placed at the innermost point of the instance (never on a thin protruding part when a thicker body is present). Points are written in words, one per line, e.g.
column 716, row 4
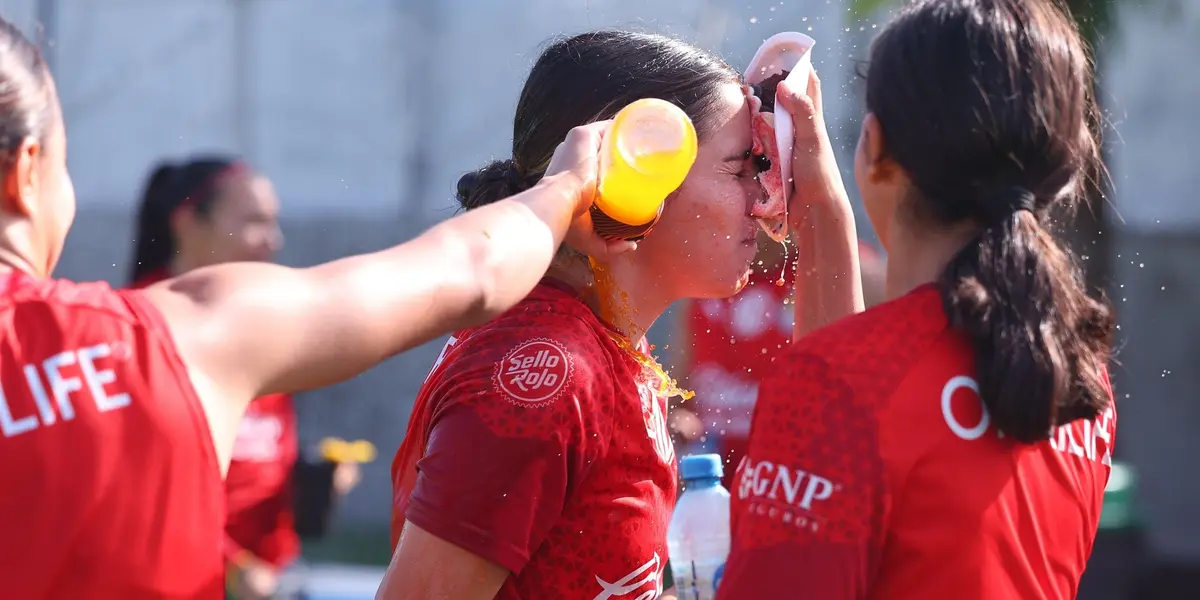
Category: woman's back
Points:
column 874, row 459
column 115, row 490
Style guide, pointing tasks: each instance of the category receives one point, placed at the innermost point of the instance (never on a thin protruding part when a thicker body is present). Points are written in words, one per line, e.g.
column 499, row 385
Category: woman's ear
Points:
column 21, row 181
column 879, row 168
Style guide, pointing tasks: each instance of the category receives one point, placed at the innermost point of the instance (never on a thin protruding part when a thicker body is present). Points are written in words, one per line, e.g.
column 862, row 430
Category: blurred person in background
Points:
column 538, row 461
column 119, row 409
column 956, row 440
column 724, row 346
column 210, row 210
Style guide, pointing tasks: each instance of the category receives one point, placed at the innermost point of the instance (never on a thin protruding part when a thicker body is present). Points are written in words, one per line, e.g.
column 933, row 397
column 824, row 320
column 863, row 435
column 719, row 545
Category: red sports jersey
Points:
column 734, row 342
column 873, row 472
column 112, row 487
column 259, row 483
column 538, row 443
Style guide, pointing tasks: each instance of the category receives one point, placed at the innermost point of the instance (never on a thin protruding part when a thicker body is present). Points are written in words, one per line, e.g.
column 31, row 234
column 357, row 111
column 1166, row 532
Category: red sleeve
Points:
column 516, row 420
column 810, row 505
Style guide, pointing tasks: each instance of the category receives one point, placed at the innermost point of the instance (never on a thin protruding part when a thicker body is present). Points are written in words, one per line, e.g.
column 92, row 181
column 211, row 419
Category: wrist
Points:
column 569, row 189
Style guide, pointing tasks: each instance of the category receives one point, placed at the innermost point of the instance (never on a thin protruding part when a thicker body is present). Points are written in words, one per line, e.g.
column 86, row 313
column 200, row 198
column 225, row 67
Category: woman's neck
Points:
column 10, row 262
column 918, row 258
column 619, row 293
column 16, row 253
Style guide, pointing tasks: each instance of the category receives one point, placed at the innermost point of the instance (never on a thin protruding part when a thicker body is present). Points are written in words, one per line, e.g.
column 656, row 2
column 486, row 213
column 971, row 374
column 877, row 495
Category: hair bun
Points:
column 497, row 180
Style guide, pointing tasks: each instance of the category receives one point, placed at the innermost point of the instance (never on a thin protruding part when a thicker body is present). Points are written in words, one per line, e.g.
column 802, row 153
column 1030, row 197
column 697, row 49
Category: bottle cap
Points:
column 701, row 466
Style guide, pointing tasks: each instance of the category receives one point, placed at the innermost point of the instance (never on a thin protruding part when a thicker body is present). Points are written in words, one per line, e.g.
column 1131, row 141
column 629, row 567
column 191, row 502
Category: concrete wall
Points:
column 1152, row 91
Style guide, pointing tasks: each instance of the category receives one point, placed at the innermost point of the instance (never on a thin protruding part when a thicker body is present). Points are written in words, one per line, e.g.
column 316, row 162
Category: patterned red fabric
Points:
column 538, row 443
column 873, row 472
column 734, row 343
column 258, row 485
column 112, row 487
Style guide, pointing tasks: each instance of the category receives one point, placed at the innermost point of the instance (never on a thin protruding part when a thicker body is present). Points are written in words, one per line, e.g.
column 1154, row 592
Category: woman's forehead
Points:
column 730, row 122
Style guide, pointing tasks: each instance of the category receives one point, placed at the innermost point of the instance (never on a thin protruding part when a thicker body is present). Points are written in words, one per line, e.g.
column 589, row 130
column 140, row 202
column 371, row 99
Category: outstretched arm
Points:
column 250, row 329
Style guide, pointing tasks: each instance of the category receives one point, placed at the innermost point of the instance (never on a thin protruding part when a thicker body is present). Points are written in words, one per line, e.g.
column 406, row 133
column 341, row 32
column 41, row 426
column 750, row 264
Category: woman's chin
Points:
column 737, row 285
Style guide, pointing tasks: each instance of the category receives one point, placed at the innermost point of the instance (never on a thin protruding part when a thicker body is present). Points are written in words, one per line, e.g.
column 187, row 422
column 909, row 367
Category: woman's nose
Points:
column 755, row 198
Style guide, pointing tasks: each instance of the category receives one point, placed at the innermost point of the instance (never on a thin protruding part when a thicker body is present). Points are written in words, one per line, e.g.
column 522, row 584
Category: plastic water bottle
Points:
column 645, row 156
column 698, row 537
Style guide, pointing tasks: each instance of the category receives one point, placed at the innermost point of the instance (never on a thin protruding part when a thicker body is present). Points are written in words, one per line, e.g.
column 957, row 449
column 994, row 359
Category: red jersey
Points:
column 873, row 472
column 733, row 343
column 540, row 444
column 113, row 489
column 258, row 486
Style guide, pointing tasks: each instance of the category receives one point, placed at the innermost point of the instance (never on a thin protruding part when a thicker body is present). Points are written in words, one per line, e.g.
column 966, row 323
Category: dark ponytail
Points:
column 988, row 107
column 1040, row 341
column 497, row 180
column 153, row 243
column 169, row 187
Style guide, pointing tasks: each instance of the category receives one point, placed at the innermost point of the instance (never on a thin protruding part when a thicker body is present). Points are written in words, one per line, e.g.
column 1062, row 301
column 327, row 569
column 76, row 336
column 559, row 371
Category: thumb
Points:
column 808, row 125
column 799, row 105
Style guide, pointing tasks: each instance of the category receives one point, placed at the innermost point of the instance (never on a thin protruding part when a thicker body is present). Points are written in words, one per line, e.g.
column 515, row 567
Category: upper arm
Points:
column 810, row 503
column 426, row 567
column 511, row 433
column 255, row 328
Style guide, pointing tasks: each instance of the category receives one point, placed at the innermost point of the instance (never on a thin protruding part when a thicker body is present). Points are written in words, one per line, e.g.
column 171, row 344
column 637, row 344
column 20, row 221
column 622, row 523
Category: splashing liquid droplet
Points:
column 783, row 269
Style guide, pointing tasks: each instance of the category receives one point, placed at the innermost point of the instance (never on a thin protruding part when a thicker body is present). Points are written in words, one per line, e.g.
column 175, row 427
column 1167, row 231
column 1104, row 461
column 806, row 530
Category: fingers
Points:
column 583, row 238
column 814, row 88
column 800, row 106
column 588, row 137
column 600, row 249
column 581, row 146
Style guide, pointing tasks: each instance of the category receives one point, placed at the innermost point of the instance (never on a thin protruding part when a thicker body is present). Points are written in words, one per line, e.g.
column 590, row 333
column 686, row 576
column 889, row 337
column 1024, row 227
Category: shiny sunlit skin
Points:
column 235, row 325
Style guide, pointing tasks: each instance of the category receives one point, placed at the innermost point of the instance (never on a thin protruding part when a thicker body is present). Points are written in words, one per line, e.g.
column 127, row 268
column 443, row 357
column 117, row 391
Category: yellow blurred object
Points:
column 645, row 156
column 340, row 451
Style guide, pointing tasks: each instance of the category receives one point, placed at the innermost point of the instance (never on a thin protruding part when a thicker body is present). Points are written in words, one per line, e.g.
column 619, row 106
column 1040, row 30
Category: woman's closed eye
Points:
column 762, row 164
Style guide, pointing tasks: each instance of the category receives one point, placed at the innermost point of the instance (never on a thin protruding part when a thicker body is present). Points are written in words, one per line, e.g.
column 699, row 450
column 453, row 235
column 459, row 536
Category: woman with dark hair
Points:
column 119, row 408
column 208, row 210
column 211, row 210
column 954, row 442
column 537, row 462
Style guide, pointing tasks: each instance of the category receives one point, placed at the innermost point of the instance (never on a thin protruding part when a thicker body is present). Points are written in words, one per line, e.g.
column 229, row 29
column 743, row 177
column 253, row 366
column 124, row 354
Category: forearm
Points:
column 828, row 282
column 460, row 273
column 510, row 244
